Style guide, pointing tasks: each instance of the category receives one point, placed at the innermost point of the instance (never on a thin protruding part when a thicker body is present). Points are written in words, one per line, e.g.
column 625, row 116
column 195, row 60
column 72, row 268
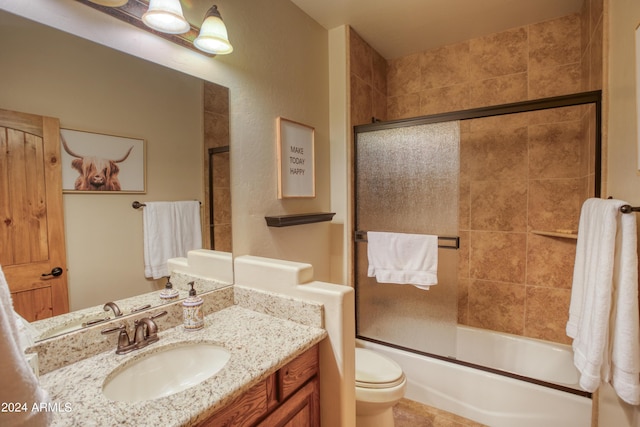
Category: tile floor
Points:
column 408, row 413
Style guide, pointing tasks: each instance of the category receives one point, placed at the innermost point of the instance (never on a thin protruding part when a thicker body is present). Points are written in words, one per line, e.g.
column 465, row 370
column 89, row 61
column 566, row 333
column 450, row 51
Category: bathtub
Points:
column 493, row 399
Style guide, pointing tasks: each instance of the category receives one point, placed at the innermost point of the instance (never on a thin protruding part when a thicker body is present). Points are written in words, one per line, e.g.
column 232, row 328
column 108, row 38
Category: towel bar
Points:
column 138, row 205
column 361, row 236
column 629, row 208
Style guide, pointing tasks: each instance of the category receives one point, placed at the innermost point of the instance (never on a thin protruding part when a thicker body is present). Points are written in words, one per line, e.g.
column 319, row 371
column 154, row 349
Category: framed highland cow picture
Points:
column 99, row 163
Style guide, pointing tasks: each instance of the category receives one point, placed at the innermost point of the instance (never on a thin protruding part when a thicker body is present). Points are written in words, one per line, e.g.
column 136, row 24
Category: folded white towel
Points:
column 403, row 258
column 603, row 314
column 171, row 229
column 20, row 384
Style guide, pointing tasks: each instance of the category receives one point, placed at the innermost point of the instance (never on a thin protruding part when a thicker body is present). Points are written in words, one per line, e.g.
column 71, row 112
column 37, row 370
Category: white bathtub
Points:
column 492, row 399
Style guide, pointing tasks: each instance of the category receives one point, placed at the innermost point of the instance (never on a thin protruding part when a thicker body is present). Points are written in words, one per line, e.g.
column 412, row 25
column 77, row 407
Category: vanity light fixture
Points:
column 213, row 36
column 166, row 16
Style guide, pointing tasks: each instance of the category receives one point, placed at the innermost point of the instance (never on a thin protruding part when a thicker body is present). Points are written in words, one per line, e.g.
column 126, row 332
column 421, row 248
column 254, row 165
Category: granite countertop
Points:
column 259, row 345
column 68, row 322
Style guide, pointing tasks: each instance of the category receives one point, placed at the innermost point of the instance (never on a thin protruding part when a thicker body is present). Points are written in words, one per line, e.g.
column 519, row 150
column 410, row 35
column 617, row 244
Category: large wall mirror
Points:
column 93, row 88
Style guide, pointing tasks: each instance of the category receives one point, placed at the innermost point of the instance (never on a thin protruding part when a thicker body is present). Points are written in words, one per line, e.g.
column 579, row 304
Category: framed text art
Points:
column 95, row 162
column 296, row 162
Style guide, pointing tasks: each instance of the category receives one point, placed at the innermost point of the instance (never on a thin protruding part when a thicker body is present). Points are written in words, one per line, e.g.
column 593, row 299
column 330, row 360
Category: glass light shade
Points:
column 166, row 16
column 110, row 3
column 213, row 36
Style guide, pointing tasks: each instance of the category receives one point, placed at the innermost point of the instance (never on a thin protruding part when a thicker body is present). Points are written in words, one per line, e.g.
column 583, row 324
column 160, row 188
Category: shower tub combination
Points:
column 491, row 398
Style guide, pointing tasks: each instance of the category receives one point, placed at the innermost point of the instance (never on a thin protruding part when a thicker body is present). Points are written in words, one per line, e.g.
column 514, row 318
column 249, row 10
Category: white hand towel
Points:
column 603, row 313
column 19, row 383
column 403, row 258
column 171, row 229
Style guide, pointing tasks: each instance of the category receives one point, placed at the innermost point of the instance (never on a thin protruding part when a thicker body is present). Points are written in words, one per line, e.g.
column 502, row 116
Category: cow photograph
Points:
column 93, row 162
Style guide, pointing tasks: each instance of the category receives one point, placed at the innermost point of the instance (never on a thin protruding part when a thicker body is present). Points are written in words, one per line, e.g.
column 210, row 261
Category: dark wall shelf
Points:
column 298, row 219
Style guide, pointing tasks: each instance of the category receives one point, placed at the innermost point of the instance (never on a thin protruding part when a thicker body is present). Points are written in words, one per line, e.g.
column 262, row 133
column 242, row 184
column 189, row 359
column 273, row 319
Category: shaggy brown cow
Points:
column 96, row 174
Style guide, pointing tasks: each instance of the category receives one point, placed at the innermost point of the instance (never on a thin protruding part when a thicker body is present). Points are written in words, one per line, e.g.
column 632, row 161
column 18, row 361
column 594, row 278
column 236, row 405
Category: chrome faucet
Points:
column 145, row 333
column 113, row 307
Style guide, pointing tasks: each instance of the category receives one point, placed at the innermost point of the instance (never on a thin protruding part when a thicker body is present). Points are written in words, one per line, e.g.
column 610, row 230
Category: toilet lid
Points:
column 373, row 370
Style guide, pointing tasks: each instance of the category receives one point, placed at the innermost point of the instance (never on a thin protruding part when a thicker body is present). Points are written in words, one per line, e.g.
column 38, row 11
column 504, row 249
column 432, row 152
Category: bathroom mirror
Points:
column 93, row 88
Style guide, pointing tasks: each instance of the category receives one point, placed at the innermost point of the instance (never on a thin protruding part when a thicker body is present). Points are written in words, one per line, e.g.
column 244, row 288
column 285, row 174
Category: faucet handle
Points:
column 120, row 327
column 124, row 342
column 155, row 316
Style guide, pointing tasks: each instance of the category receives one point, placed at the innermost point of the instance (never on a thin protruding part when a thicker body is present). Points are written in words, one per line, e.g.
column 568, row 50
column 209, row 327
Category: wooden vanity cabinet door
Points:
column 294, row 374
column 288, row 398
column 245, row 410
column 301, row 410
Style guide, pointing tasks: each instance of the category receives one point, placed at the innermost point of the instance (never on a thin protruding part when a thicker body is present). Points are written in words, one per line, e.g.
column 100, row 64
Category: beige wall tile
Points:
column 550, row 261
column 404, row 75
column 596, row 8
column 547, row 314
column 463, row 254
column 498, row 256
column 361, row 101
column 379, row 101
column 497, row 306
column 445, row 66
column 499, row 54
column 595, row 60
column 463, row 301
column 554, row 81
column 555, row 150
column 499, row 205
column 402, row 107
column 379, row 72
column 497, row 154
column 360, row 57
column 498, row 90
column 555, row 204
column 554, row 115
column 464, row 204
column 507, row 121
column 555, row 42
column 444, row 99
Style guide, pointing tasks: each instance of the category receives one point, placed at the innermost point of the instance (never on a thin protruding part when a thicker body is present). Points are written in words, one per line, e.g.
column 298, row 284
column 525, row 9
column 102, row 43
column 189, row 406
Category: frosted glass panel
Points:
column 407, row 182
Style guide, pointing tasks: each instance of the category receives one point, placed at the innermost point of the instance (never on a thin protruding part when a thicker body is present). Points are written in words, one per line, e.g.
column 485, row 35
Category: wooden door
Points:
column 32, row 228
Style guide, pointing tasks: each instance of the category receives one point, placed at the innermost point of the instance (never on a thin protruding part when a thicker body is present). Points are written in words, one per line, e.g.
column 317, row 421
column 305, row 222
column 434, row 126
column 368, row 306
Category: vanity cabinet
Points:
column 290, row 397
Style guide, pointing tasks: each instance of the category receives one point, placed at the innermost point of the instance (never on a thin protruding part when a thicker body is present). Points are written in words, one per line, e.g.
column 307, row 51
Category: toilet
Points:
column 380, row 384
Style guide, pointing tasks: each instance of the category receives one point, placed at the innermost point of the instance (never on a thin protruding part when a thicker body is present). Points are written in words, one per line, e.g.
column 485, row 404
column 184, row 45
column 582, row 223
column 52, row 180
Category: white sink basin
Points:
column 165, row 372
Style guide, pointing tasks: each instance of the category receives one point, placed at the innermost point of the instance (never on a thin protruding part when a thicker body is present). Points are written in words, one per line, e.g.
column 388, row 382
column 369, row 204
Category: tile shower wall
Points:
column 216, row 134
column 516, row 175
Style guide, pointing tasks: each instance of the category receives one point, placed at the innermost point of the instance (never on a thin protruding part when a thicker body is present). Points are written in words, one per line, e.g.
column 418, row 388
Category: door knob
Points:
column 55, row 272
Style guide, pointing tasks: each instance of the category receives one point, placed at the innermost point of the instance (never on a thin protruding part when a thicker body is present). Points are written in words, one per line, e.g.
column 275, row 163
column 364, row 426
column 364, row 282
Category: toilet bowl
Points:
column 380, row 384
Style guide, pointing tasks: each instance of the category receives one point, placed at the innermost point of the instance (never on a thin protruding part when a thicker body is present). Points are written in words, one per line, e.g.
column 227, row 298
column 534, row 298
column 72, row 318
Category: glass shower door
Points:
column 406, row 181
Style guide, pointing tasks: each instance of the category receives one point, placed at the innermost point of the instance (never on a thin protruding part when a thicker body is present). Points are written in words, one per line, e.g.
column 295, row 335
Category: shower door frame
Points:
column 583, row 98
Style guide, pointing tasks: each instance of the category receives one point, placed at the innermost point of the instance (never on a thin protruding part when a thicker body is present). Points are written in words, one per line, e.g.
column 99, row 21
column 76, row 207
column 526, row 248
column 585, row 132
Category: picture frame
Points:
column 296, row 159
column 101, row 163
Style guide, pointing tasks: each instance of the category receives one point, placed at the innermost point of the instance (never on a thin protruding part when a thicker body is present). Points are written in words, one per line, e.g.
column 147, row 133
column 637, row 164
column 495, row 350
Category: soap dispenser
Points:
column 168, row 292
column 192, row 311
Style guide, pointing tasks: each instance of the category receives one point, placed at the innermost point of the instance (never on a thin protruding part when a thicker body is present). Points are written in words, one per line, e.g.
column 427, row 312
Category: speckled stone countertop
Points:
column 259, row 345
column 61, row 324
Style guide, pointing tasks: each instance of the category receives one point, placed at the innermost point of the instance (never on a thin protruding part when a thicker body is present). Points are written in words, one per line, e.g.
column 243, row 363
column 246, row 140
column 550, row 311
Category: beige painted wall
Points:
column 622, row 168
column 90, row 87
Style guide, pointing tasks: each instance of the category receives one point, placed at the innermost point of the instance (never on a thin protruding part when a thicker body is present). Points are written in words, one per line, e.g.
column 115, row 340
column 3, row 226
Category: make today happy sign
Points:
column 295, row 150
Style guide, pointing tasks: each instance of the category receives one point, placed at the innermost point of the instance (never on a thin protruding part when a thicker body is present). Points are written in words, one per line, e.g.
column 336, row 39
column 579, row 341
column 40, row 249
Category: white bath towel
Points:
column 171, row 229
column 403, row 258
column 19, row 383
column 603, row 314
